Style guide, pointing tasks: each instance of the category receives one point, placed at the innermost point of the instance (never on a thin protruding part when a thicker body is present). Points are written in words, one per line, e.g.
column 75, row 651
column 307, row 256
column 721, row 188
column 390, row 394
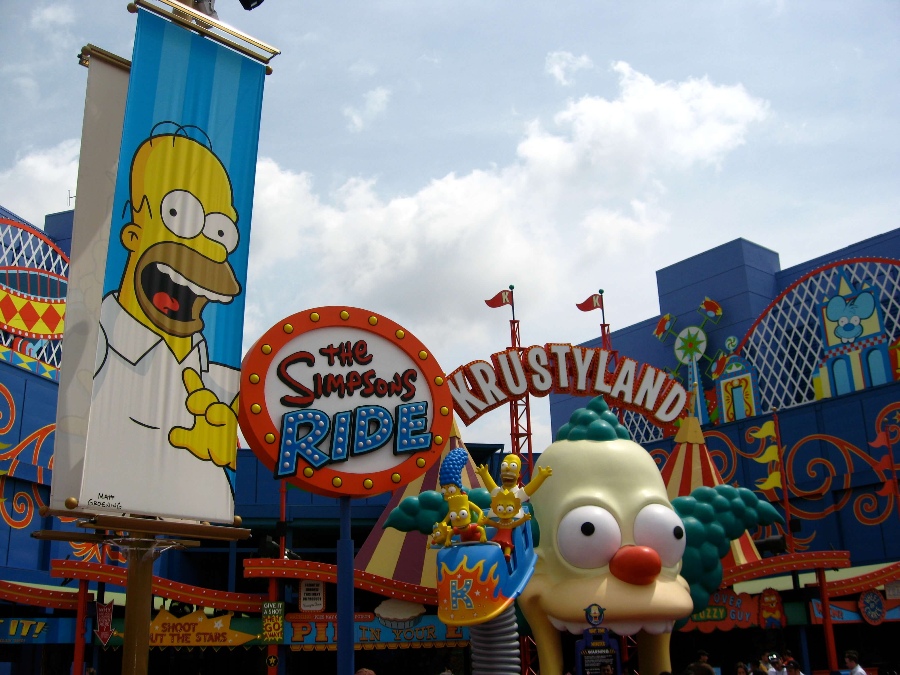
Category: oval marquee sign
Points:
column 344, row 402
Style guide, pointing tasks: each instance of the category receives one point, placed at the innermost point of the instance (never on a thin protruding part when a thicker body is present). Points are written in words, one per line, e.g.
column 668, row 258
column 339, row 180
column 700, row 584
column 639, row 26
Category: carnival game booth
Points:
column 796, row 371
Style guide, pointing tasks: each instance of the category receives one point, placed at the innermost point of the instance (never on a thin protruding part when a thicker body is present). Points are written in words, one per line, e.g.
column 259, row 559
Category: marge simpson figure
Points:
column 170, row 421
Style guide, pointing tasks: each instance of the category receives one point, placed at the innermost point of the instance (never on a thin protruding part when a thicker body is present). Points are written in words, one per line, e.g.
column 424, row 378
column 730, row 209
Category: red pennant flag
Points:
column 502, row 298
column 881, row 440
column 593, row 302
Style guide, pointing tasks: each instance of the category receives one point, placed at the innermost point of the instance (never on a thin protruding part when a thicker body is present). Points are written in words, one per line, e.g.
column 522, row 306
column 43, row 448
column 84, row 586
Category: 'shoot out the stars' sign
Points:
column 344, row 402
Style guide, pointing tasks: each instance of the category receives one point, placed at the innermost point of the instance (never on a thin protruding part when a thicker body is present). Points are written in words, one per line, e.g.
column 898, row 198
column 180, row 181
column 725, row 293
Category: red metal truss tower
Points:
column 520, row 410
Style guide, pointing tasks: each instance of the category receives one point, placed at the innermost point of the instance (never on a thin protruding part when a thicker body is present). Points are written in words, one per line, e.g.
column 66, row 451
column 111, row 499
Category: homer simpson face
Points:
column 183, row 229
column 610, row 537
column 510, row 469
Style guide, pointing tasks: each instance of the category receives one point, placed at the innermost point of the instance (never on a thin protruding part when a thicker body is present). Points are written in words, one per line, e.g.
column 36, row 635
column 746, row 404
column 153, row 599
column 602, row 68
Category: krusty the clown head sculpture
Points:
column 609, row 537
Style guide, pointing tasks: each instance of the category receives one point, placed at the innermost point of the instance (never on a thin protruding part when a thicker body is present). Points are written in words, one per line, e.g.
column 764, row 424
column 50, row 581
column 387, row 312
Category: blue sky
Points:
column 416, row 158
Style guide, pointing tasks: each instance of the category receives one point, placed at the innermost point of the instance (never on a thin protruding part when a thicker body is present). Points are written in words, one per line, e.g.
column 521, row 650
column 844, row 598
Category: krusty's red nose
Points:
column 638, row 565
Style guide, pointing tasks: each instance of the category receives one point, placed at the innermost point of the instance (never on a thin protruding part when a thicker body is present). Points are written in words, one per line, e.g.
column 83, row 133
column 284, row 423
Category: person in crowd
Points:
column 700, row 668
column 760, row 666
column 741, row 668
column 851, row 660
column 776, row 664
column 792, row 667
column 702, row 656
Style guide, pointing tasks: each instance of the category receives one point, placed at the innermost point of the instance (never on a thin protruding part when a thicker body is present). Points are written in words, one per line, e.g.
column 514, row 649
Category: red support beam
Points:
column 80, row 618
column 826, row 622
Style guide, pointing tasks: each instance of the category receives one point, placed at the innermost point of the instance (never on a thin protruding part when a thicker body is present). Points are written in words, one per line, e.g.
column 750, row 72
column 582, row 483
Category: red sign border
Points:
column 263, row 435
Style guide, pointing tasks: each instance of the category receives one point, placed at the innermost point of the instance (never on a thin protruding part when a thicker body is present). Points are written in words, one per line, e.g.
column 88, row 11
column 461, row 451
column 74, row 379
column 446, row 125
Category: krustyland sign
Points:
column 566, row 369
column 344, row 402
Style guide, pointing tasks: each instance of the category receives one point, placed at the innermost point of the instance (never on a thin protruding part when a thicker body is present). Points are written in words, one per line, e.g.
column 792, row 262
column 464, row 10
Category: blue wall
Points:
column 834, row 473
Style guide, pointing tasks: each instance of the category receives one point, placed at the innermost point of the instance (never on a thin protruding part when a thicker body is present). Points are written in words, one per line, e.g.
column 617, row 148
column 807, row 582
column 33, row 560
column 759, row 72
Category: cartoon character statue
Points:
column 505, row 505
column 172, row 411
column 463, row 524
column 849, row 315
column 611, row 538
column 458, row 521
column 450, row 475
column 441, row 534
column 771, row 611
column 510, row 471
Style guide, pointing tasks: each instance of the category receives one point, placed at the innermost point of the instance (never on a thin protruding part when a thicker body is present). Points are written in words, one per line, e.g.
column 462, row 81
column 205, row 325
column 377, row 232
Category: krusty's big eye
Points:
column 222, row 229
column 182, row 213
column 659, row 527
column 588, row 537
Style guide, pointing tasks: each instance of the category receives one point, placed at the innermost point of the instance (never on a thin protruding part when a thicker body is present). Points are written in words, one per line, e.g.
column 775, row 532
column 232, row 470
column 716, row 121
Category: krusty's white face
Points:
column 609, row 536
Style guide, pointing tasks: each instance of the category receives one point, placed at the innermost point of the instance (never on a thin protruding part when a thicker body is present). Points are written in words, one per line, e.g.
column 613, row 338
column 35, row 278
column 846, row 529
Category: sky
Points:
column 417, row 158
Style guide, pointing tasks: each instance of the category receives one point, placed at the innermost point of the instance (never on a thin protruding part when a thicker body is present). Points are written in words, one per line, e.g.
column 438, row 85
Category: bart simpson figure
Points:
column 460, row 517
column 506, row 505
column 171, row 411
column 510, row 470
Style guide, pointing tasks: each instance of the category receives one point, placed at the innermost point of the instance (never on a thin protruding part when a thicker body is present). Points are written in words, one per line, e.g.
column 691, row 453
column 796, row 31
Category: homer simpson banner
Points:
column 162, row 431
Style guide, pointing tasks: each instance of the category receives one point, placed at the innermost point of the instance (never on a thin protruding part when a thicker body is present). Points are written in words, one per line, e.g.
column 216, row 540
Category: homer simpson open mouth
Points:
column 172, row 300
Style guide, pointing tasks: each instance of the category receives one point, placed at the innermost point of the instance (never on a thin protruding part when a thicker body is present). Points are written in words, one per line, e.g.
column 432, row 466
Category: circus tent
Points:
column 691, row 466
column 406, row 556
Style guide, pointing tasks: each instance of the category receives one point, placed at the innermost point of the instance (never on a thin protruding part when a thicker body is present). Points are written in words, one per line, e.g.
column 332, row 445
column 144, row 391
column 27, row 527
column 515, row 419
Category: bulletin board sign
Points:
column 344, row 402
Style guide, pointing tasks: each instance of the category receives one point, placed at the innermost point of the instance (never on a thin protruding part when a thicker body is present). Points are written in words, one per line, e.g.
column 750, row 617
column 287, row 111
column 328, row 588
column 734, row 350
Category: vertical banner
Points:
column 162, row 433
column 101, row 135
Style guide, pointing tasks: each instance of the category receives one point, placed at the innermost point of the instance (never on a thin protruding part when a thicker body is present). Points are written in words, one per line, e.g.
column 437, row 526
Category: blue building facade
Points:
column 794, row 375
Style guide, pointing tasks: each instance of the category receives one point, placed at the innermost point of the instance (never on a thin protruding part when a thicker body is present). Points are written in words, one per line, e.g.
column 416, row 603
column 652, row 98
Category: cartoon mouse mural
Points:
column 850, row 314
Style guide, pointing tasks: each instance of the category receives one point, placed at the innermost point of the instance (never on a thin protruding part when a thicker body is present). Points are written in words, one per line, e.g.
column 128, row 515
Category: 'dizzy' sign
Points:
column 344, row 402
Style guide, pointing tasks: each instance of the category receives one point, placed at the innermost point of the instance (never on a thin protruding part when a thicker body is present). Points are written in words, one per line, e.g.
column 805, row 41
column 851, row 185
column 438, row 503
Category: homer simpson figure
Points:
column 170, row 422
column 510, row 470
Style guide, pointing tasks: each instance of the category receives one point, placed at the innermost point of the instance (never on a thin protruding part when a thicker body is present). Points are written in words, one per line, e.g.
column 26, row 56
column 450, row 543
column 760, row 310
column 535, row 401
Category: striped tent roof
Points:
column 406, row 556
column 690, row 466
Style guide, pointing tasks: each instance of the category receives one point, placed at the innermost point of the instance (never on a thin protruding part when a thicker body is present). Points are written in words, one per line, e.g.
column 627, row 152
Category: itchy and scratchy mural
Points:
column 827, row 338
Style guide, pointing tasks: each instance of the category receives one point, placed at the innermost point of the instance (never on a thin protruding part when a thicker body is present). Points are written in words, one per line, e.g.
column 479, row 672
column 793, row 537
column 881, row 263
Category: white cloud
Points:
column 616, row 146
column 374, row 104
column 561, row 65
column 362, row 69
column 581, row 194
column 39, row 182
column 52, row 15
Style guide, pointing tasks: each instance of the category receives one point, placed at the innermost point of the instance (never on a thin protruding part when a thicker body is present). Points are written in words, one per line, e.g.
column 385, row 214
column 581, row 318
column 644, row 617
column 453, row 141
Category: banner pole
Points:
column 138, row 592
column 346, row 634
